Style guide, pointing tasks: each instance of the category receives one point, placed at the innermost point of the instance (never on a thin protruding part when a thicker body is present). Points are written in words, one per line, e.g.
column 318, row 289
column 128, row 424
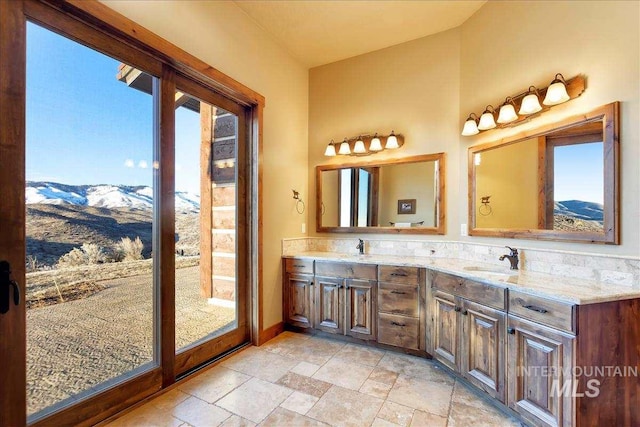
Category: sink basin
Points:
column 495, row 271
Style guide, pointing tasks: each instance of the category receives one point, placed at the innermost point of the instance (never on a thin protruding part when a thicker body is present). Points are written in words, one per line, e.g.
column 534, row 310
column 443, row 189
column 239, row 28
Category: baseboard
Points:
column 270, row 333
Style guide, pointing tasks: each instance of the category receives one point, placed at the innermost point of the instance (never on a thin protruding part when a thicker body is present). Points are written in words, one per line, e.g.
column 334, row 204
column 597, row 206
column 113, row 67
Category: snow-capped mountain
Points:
column 580, row 209
column 103, row 196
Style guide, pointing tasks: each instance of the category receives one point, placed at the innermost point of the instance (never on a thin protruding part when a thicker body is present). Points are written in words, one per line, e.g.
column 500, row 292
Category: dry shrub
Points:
column 128, row 250
column 89, row 253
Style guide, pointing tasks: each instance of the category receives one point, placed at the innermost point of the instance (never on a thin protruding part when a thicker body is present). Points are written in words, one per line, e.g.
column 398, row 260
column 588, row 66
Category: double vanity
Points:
column 546, row 347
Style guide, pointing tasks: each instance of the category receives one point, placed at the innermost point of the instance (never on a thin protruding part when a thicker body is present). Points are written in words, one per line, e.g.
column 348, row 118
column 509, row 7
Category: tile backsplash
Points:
column 603, row 268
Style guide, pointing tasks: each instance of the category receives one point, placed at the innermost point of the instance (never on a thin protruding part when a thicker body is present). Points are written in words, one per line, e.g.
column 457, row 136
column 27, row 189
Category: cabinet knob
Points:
column 511, row 331
column 465, row 312
column 457, row 308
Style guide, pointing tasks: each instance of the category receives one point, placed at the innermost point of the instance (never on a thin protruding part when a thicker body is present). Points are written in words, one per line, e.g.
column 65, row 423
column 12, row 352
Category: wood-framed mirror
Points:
column 398, row 196
column 560, row 182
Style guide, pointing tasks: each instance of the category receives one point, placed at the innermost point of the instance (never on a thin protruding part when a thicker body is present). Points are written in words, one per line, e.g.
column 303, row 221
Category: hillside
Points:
column 579, row 209
column 55, row 229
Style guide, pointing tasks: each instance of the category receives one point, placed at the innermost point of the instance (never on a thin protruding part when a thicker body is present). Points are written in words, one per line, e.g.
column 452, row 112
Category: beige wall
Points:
column 411, row 88
column 426, row 88
column 509, row 175
column 508, row 45
column 223, row 36
column 407, row 181
column 330, row 183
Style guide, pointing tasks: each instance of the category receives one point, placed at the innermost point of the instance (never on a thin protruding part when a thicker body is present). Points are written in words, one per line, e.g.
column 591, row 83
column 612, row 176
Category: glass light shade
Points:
column 375, row 145
column 486, row 121
column 344, row 148
column 358, row 148
column 392, row 142
column 556, row 93
column 507, row 114
column 470, row 127
column 331, row 150
column 530, row 104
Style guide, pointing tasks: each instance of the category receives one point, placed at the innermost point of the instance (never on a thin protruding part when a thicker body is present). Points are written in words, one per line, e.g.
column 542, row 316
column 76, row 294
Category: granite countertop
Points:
column 565, row 289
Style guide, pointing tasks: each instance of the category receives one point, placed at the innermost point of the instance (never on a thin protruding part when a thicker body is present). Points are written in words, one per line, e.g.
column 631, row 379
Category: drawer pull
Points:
column 398, row 292
column 465, row 312
column 299, row 265
column 457, row 309
column 398, row 324
column 534, row 308
column 399, row 274
column 511, row 331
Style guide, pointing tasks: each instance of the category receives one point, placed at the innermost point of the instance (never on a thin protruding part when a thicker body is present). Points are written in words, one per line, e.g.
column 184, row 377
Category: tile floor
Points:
column 300, row 380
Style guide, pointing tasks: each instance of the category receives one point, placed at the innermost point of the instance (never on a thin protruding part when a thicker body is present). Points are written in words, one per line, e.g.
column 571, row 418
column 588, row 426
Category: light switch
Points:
column 304, row 228
column 463, row 230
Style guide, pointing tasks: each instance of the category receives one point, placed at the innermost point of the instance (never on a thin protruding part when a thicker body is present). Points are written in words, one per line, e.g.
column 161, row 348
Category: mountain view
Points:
column 579, row 209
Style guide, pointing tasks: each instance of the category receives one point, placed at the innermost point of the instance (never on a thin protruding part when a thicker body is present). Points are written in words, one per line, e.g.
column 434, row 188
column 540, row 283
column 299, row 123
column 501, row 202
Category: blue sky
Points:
column 86, row 127
column 579, row 172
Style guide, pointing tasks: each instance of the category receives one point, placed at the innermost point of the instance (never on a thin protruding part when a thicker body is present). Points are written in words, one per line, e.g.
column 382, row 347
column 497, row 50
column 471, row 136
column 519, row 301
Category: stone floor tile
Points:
column 343, row 373
column 147, row 416
column 282, row 417
column 379, row 422
column 426, row 419
column 360, row 354
column 463, row 415
column 383, row 375
column 299, row 402
column 170, row 399
column 429, row 396
column 315, row 350
column 304, row 384
column 214, row 383
column 199, row 413
column 305, row 368
column 236, row 421
column 396, row 413
column 375, row 389
column 285, row 343
column 260, row 364
column 417, row 367
column 255, row 399
column 342, row 407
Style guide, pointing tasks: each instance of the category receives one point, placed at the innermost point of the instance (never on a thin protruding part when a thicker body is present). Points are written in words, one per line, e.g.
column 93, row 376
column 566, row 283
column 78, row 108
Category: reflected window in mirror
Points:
column 363, row 197
column 558, row 184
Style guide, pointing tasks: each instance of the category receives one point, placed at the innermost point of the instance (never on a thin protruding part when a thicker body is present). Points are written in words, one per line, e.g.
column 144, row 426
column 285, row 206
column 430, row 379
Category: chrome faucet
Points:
column 512, row 257
column 360, row 246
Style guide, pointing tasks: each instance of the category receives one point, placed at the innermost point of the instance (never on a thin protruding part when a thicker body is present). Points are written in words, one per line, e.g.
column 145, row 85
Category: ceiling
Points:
column 320, row 32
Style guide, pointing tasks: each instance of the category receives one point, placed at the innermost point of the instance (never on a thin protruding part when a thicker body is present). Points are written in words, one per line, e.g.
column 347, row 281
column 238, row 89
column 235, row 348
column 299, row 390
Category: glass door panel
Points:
column 89, row 222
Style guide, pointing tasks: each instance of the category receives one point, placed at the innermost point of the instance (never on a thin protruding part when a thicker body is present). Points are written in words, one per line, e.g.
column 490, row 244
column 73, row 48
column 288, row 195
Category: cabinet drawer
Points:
column 548, row 312
column 398, row 299
column 346, row 270
column 482, row 293
column 399, row 331
column 296, row 265
column 405, row 275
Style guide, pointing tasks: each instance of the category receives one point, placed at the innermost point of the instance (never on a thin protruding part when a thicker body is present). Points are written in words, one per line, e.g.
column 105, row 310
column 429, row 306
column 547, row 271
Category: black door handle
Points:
column 6, row 284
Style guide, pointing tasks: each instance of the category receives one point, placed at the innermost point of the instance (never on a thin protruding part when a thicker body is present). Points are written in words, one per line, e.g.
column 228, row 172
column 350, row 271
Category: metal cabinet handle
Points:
column 399, row 274
column 511, row 331
column 299, row 265
column 465, row 312
column 398, row 292
column 398, row 324
column 535, row 308
column 457, row 309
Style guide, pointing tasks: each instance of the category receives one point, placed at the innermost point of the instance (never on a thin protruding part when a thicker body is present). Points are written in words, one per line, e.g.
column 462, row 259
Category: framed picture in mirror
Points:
column 406, row 206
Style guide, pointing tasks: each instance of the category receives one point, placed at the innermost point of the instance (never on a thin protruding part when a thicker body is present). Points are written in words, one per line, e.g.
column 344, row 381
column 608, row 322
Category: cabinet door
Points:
column 329, row 304
column 538, row 358
column 300, row 300
column 446, row 333
column 361, row 308
column 482, row 348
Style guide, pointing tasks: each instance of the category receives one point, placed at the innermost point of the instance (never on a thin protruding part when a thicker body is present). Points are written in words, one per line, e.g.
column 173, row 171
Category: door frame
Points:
column 93, row 24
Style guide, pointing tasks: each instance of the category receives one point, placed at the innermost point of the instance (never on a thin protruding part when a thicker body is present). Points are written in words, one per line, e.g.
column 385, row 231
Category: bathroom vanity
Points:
column 557, row 351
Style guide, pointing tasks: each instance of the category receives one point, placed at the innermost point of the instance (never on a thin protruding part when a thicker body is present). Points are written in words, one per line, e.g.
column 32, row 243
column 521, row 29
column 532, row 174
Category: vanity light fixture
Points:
column 344, row 147
column 557, row 91
column 507, row 111
column 364, row 145
column 527, row 104
column 376, row 144
column 470, row 125
column 331, row 149
column 487, row 121
column 358, row 148
column 530, row 103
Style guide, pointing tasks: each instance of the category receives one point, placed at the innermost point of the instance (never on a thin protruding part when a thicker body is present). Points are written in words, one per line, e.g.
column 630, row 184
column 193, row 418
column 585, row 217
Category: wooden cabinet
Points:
column 466, row 336
column 346, row 303
column 540, row 383
column 298, row 298
column 401, row 307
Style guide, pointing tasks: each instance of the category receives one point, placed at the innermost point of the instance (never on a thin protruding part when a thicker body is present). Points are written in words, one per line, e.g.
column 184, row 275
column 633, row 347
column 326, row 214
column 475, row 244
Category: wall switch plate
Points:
column 304, row 228
column 463, row 230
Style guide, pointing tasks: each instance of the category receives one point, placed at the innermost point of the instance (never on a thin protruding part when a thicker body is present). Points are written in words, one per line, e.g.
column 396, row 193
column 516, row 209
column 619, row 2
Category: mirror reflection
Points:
column 400, row 194
column 558, row 184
